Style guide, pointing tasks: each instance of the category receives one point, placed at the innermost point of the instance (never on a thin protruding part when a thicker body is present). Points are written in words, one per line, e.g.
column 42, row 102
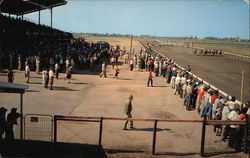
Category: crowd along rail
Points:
column 198, row 78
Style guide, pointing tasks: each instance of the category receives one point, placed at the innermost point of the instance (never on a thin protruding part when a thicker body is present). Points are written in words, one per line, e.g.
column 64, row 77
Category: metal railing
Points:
column 38, row 127
column 204, row 123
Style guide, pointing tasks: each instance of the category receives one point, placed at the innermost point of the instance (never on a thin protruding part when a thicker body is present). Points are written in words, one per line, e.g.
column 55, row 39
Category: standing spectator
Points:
column 209, row 106
column 188, row 68
column 156, row 64
column 204, row 101
column 112, row 61
column 150, row 78
column 224, row 116
column 11, row 121
column 19, row 63
column 116, row 71
column 57, row 68
column 45, row 77
column 169, row 73
column 61, row 64
column 3, row 122
column 235, row 131
column 218, row 115
column 163, row 68
column 232, row 104
column 69, row 74
column 127, row 111
column 67, row 63
column 10, row 75
column 200, row 93
column 51, row 78
column 182, row 82
column 174, row 74
column 103, row 70
column 187, row 100
column 27, row 73
column 216, row 106
column 37, row 65
column 131, row 64
column 177, row 85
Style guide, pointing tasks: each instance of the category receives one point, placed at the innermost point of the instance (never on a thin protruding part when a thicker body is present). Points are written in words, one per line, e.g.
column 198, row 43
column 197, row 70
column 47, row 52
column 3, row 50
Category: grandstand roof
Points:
column 20, row 7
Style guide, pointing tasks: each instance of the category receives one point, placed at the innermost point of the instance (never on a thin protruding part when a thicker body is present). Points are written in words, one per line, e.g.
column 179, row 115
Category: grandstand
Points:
column 24, row 41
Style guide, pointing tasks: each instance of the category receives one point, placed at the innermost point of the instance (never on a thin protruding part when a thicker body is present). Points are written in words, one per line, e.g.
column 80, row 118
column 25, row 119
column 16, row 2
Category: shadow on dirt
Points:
column 28, row 148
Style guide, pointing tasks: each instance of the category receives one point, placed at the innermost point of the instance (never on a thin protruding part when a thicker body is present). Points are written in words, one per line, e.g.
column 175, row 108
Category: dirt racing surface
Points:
column 222, row 72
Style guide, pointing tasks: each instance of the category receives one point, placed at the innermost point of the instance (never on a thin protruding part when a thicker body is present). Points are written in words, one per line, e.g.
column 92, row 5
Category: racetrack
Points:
column 220, row 71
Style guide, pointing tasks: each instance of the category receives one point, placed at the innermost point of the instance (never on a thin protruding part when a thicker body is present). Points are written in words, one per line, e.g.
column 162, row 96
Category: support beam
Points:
column 39, row 17
column 203, row 135
column 154, row 137
column 55, row 129
column 100, row 132
column 51, row 18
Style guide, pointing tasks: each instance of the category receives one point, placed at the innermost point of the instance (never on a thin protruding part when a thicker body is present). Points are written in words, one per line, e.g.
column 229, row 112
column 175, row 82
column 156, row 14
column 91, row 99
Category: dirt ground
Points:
column 90, row 95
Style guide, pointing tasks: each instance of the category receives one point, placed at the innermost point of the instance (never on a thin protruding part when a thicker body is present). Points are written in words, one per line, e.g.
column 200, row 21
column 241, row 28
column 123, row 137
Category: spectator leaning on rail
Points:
column 235, row 130
column 225, row 113
column 232, row 104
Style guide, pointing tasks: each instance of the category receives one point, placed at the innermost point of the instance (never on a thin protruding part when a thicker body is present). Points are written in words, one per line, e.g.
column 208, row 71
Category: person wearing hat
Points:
column 11, row 121
column 69, row 74
column 51, row 78
column 127, row 111
column 3, row 122
column 10, row 75
column 224, row 116
column 235, row 130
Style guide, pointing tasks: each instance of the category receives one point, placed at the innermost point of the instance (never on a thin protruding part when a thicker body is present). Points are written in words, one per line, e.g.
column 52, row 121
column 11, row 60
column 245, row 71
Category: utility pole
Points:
column 131, row 43
column 242, row 86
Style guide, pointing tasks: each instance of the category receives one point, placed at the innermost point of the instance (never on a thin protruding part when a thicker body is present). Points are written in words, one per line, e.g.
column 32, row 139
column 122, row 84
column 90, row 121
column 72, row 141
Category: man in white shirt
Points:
column 27, row 73
column 232, row 104
column 235, row 136
column 103, row 70
column 177, row 84
column 51, row 78
column 57, row 67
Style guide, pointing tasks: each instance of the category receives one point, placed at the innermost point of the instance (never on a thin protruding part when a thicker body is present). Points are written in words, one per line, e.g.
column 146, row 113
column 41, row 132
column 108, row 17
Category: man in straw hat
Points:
column 127, row 111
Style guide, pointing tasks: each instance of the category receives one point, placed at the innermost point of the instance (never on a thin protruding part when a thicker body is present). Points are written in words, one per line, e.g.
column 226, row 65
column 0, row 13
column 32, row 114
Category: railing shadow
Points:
column 28, row 148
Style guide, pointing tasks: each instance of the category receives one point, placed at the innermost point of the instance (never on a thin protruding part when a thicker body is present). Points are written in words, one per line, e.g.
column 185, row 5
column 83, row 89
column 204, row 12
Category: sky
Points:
column 165, row 18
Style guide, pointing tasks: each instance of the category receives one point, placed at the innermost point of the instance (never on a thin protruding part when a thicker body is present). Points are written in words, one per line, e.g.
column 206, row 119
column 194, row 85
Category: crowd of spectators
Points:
column 25, row 43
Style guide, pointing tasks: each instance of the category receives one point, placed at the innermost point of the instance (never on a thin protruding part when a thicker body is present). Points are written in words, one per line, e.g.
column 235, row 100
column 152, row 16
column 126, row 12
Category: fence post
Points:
column 154, row 137
column 55, row 129
column 203, row 134
column 100, row 132
column 246, row 134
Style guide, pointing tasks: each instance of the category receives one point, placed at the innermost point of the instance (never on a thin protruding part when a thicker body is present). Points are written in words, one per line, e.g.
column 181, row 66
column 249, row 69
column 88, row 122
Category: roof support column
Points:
column 51, row 18
column 39, row 17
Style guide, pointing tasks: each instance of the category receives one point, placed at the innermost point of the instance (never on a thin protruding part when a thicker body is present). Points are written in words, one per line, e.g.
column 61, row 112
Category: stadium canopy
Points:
column 21, row 7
